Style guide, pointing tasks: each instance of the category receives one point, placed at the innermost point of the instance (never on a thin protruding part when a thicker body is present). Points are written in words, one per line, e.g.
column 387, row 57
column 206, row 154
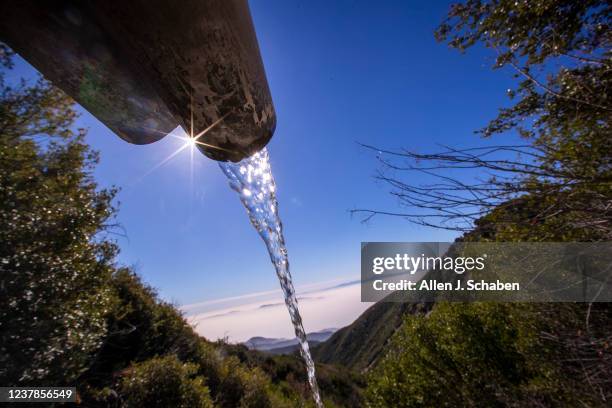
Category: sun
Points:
column 190, row 141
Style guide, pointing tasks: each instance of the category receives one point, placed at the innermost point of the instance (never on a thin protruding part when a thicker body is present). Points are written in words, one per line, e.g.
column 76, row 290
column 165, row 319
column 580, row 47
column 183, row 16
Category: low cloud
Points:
column 335, row 305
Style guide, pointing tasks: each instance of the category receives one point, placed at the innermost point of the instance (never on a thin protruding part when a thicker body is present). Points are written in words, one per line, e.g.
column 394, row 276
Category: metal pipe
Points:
column 143, row 67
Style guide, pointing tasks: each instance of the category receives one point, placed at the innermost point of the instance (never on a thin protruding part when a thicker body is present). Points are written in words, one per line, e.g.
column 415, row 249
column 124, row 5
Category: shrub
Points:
column 164, row 382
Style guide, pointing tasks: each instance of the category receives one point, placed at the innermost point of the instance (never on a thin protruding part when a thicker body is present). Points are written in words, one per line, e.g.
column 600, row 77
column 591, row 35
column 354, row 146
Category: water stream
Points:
column 253, row 181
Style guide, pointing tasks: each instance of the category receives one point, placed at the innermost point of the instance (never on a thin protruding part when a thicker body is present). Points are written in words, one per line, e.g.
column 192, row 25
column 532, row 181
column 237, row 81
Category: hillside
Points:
column 340, row 387
column 359, row 345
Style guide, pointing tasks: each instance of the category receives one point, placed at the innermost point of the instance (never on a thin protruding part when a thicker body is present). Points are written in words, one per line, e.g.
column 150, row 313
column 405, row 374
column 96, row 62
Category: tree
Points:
column 559, row 181
column 553, row 186
column 54, row 263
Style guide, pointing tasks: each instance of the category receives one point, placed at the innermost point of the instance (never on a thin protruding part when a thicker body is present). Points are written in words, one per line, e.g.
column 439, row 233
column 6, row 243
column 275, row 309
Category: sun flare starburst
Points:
column 189, row 141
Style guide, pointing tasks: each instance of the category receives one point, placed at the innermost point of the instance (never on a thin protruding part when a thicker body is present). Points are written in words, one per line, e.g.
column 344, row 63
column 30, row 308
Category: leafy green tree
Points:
column 559, row 181
column 54, row 264
column 556, row 186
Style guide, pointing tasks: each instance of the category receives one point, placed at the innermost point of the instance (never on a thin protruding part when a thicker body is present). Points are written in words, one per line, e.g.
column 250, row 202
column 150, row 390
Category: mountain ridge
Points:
column 358, row 345
column 284, row 345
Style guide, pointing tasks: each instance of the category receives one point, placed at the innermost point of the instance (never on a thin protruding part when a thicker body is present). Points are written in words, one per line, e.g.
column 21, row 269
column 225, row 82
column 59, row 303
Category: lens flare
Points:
column 189, row 141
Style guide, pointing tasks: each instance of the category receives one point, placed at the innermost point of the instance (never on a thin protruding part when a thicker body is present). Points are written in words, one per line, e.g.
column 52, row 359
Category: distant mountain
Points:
column 359, row 345
column 286, row 346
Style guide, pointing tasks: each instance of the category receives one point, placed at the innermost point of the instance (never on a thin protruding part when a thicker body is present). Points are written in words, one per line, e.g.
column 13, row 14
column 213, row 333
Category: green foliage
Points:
column 534, row 31
column 339, row 386
column 141, row 329
column 492, row 354
column 244, row 387
column 558, row 188
column 560, row 51
column 54, row 268
column 164, row 382
column 524, row 220
column 558, row 178
column 562, row 186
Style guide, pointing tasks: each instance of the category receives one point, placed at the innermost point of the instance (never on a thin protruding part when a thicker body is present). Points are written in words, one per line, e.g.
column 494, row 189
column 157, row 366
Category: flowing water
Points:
column 253, row 181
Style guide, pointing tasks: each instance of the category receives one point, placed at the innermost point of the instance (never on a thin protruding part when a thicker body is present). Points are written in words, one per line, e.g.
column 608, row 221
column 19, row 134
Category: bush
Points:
column 496, row 355
column 164, row 382
column 472, row 354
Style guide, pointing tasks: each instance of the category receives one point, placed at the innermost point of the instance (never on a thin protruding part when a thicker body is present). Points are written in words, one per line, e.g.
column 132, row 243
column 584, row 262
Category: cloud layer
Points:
column 265, row 314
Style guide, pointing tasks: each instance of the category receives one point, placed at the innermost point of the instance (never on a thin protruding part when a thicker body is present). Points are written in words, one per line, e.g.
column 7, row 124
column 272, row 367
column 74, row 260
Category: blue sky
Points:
column 340, row 72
